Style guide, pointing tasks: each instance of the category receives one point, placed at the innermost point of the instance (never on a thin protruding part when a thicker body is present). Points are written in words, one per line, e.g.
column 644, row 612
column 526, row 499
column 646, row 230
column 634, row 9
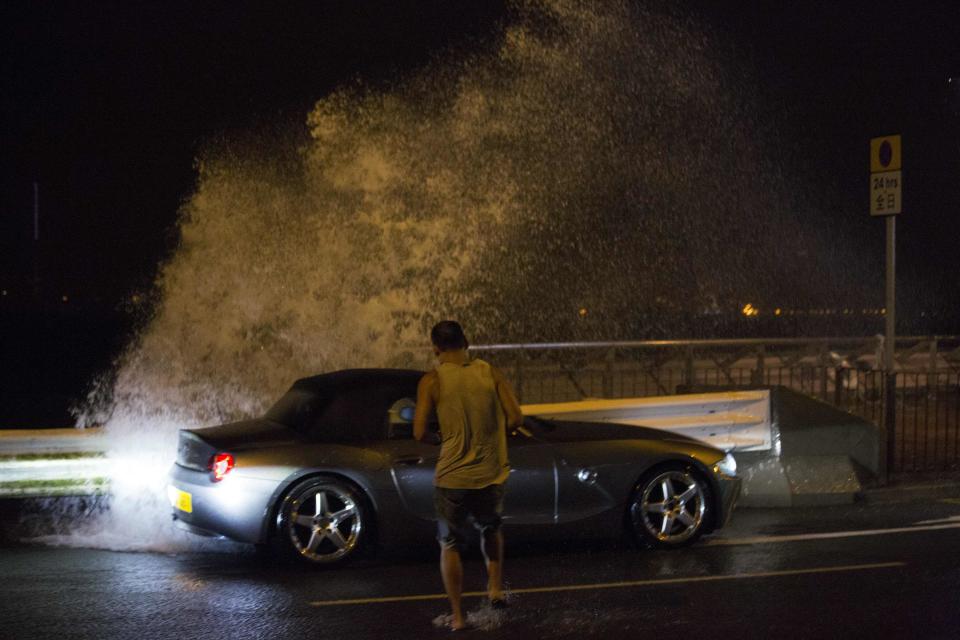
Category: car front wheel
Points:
column 322, row 521
column 670, row 507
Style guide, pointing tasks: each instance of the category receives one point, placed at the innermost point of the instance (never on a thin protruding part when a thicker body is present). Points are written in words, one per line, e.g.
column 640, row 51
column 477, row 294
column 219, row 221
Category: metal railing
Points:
column 922, row 433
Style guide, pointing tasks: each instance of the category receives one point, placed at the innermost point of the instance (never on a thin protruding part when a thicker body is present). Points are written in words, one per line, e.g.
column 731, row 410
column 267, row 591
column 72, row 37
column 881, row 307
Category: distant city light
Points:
column 65, row 298
column 750, row 311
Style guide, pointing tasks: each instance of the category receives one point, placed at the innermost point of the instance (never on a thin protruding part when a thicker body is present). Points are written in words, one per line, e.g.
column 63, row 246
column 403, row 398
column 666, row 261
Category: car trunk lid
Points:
column 196, row 447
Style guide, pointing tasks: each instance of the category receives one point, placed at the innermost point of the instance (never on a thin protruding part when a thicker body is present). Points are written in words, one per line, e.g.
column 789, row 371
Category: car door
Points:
column 530, row 492
column 591, row 474
column 531, row 495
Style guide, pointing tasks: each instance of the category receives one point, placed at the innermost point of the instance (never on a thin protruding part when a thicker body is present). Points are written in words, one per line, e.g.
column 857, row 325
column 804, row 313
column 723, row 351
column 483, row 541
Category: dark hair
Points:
column 447, row 335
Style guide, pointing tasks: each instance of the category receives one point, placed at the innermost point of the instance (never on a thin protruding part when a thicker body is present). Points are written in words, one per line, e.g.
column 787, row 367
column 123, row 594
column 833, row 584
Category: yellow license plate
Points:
column 180, row 499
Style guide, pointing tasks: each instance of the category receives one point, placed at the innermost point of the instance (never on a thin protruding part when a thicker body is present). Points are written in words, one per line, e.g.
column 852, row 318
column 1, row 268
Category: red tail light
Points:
column 220, row 465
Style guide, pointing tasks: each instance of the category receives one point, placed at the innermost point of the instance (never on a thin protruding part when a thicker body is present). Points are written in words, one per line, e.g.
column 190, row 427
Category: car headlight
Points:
column 727, row 466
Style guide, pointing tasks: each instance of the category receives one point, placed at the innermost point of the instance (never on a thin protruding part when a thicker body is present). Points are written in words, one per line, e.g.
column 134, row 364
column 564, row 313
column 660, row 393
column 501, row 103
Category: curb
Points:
column 948, row 488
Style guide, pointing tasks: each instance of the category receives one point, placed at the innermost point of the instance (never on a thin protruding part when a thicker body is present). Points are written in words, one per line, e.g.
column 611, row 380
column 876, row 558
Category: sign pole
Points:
column 891, row 304
column 888, row 442
column 886, row 188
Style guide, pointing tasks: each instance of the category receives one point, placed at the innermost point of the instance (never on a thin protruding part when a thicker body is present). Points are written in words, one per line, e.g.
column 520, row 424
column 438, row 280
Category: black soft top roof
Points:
column 357, row 377
column 344, row 406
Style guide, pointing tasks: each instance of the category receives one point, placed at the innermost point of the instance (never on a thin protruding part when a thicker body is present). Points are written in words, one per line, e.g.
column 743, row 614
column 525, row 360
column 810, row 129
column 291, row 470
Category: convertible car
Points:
column 333, row 467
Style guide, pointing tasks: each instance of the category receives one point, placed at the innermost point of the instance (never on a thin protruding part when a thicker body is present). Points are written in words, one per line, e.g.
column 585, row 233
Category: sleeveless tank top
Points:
column 473, row 450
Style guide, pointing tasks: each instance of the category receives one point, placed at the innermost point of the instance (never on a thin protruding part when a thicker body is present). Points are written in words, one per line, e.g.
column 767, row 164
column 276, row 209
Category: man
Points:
column 475, row 405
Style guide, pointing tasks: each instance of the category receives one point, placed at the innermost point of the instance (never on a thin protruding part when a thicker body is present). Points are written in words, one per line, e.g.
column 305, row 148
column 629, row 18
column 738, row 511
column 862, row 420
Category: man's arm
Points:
column 508, row 399
column 425, row 404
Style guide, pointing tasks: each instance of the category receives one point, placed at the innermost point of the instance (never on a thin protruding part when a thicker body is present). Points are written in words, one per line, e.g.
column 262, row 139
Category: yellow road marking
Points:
column 621, row 585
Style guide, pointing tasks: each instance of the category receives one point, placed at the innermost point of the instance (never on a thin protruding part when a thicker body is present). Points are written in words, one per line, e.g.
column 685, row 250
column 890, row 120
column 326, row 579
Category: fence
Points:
column 925, row 404
column 924, row 431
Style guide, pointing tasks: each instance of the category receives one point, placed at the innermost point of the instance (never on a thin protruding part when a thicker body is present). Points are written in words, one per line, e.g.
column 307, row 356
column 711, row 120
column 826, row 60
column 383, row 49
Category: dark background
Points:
column 105, row 105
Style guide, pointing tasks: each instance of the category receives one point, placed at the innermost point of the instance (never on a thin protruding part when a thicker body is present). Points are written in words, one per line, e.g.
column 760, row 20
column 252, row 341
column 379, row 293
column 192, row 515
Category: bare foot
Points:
column 458, row 624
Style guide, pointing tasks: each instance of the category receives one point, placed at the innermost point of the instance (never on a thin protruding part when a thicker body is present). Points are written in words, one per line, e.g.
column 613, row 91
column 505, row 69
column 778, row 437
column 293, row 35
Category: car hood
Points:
column 246, row 434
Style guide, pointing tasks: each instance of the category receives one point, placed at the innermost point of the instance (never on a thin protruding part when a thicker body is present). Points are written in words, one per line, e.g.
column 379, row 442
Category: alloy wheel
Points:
column 323, row 522
column 670, row 508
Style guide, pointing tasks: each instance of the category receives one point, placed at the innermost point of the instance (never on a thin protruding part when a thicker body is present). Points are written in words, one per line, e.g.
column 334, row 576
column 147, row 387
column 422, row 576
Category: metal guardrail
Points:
column 52, row 462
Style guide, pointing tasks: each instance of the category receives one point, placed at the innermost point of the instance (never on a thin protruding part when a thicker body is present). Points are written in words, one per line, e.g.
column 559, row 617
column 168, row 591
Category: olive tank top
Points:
column 473, row 450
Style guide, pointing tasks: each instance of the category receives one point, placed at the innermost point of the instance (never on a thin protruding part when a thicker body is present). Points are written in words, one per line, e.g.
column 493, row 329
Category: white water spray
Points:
column 575, row 165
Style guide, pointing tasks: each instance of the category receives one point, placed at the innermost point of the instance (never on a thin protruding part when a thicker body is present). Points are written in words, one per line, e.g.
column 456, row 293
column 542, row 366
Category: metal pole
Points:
column 890, row 334
column 607, row 381
column 757, row 374
column 890, row 377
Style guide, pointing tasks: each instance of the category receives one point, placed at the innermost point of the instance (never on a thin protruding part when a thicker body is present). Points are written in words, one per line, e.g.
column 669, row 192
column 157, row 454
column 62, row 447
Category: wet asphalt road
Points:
column 774, row 573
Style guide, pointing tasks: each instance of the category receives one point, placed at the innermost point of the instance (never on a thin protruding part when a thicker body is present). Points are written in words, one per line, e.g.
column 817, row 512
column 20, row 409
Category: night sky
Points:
column 107, row 104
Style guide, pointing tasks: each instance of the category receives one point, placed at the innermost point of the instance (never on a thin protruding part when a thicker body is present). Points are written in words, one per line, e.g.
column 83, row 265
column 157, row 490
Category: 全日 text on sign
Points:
column 886, row 179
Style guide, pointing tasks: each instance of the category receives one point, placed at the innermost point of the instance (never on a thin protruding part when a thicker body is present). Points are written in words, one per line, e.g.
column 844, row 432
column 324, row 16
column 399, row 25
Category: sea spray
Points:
column 603, row 156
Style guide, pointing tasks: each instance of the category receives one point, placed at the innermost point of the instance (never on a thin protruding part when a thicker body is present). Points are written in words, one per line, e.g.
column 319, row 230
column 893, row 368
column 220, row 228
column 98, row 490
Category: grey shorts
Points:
column 455, row 508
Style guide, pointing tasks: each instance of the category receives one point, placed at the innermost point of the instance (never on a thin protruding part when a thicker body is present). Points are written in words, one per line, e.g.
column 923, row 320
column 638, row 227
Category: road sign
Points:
column 886, row 178
column 885, row 193
column 885, row 154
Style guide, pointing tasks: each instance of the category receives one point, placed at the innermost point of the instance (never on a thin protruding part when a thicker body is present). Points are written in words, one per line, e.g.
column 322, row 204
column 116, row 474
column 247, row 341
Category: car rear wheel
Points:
column 322, row 521
column 670, row 507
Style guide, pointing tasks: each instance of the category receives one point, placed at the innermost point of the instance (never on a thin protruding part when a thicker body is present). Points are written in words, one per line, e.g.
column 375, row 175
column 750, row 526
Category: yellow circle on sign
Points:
column 885, row 154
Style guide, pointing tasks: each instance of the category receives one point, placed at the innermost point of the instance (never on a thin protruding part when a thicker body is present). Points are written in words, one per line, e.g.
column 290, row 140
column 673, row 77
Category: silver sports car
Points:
column 333, row 467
